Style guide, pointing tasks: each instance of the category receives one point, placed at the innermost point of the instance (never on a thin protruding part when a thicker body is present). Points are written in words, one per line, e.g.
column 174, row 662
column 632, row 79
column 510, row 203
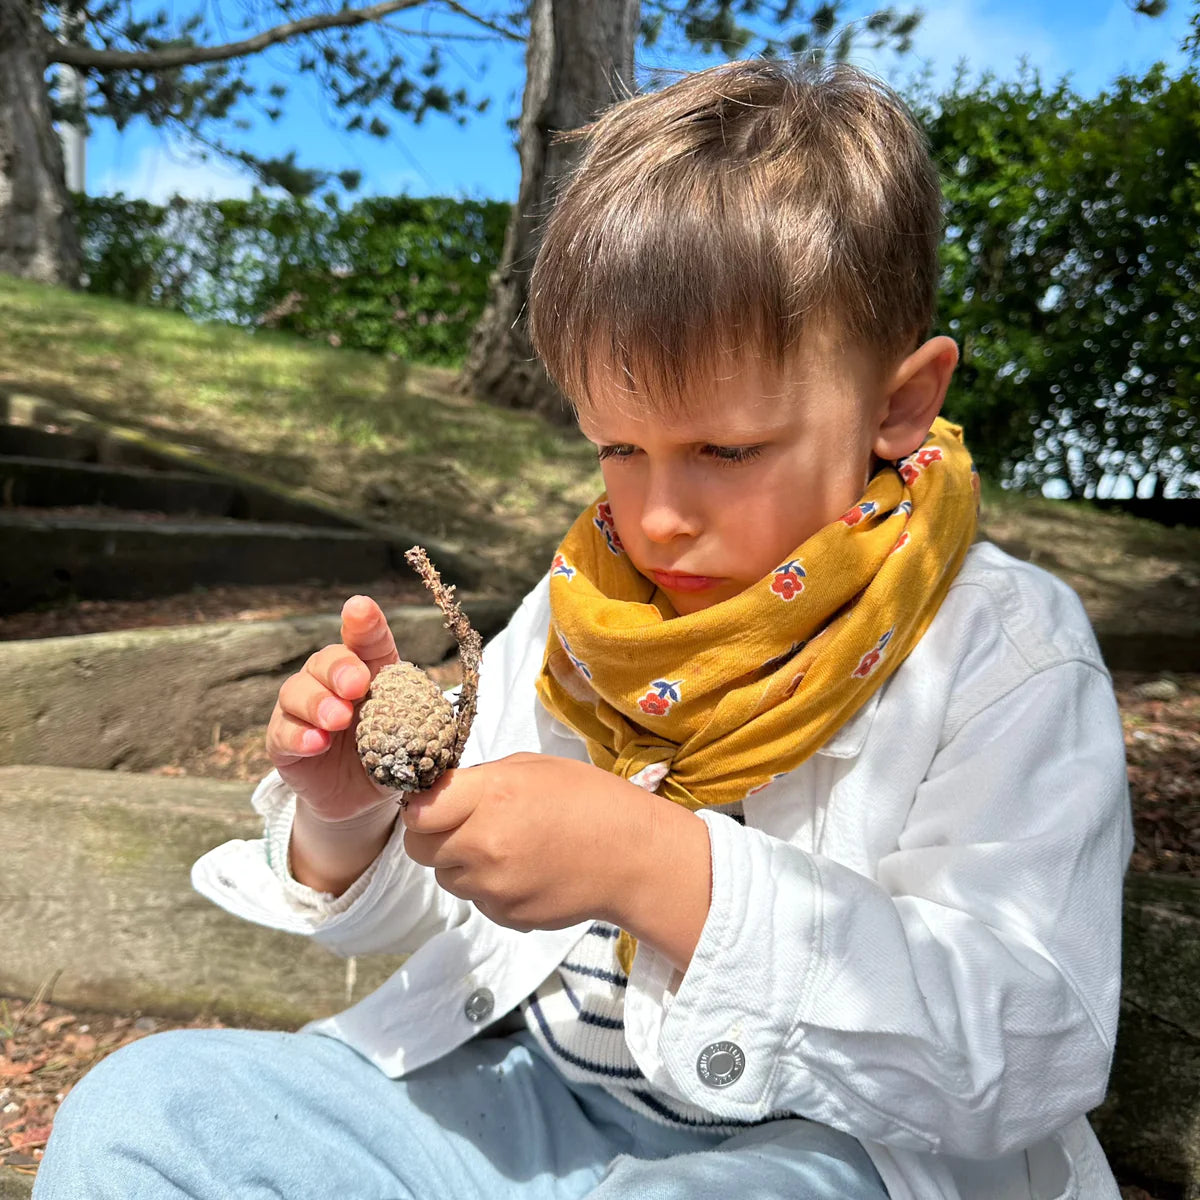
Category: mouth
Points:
column 675, row 581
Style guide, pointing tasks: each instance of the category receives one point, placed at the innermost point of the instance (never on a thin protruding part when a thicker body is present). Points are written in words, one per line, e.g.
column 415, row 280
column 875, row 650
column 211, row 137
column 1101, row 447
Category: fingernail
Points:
column 313, row 739
column 343, row 679
column 331, row 711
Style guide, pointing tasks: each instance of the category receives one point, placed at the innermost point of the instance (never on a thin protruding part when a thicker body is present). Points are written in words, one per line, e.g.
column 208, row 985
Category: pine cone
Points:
column 407, row 730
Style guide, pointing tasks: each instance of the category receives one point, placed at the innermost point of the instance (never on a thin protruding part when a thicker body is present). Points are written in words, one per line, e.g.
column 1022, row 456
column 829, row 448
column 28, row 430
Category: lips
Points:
column 675, row 581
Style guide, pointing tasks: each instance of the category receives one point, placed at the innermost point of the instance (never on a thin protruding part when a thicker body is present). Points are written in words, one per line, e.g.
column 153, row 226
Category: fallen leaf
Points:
column 30, row 1138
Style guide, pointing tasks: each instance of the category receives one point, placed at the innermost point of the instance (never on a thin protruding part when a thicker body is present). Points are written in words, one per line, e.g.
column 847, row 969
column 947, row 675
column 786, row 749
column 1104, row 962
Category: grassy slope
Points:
column 353, row 429
column 398, row 443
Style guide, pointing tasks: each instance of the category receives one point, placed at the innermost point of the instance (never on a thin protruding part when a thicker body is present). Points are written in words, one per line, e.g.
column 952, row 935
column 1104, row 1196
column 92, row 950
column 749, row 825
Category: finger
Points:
column 307, row 699
column 365, row 631
column 449, row 879
column 429, row 849
column 340, row 670
column 290, row 740
column 446, row 805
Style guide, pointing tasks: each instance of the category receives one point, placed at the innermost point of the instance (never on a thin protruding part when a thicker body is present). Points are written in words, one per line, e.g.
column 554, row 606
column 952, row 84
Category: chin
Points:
column 686, row 603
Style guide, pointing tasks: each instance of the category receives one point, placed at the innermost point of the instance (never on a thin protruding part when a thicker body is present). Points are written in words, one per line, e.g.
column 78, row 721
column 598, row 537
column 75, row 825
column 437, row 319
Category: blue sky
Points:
column 1093, row 40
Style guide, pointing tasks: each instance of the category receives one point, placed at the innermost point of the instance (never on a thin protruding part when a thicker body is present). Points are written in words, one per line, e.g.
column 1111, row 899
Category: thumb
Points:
column 365, row 632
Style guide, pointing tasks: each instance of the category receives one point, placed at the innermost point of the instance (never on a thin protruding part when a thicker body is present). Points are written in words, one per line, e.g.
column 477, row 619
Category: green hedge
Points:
column 400, row 275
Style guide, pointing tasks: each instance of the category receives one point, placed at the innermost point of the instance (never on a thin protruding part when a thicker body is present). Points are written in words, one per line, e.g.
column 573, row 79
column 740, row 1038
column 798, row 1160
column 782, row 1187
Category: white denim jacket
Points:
column 914, row 937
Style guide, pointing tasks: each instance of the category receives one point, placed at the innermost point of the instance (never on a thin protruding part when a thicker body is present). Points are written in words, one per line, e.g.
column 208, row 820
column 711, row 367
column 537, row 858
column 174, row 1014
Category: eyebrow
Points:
column 736, row 436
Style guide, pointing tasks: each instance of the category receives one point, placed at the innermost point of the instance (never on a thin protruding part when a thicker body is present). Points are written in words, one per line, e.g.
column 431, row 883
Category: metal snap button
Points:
column 479, row 1005
column 720, row 1064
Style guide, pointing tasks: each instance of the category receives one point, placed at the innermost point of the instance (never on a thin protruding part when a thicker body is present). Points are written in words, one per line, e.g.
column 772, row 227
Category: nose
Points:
column 669, row 509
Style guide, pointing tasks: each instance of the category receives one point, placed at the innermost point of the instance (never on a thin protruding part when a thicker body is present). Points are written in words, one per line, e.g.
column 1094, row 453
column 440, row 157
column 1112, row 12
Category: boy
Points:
column 786, row 855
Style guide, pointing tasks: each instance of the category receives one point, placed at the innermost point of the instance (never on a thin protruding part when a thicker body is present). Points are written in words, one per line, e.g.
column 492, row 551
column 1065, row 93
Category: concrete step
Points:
column 136, row 698
column 55, row 483
column 97, row 887
column 124, row 455
column 48, row 558
column 30, row 441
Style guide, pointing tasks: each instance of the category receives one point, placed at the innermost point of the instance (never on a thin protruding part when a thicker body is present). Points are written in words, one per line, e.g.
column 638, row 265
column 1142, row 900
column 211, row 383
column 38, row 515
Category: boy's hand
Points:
column 538, row 842
column 310, row 737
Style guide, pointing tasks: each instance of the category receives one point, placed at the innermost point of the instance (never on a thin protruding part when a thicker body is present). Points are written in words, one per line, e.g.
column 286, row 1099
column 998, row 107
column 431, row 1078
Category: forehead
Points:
column 731, row 396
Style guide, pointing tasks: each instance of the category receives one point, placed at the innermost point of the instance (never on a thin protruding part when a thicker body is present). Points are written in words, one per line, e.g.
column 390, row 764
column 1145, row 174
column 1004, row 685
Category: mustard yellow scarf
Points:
column 709, row 707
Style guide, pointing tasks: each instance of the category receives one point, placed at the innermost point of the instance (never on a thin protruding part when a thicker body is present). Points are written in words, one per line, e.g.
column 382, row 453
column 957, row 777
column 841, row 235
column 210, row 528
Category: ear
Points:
column 914, row 397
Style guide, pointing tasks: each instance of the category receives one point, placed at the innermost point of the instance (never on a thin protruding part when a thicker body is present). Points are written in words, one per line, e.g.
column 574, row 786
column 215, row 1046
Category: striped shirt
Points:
column 578, row 1018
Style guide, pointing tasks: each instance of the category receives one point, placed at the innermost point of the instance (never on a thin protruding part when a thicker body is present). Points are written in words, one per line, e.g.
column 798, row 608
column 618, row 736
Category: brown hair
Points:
column 735, row 209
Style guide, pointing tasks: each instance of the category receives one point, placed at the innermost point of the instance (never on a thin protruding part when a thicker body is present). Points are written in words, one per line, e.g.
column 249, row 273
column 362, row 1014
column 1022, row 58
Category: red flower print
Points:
column 661, row 695
column 908, row 472
column 865, row 509
column 788, row 580
column 871, row 659
column 930, row 454
column 868, row 664
column 901, row 542
column 787, row 586
column 603, row 521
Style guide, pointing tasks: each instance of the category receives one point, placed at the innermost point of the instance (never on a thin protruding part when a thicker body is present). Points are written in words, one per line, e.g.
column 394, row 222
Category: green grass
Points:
column 378, row 437
column 398, row 444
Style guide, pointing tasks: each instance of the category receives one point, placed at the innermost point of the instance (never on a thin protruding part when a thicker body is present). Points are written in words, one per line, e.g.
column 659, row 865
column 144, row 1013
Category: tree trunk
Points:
column 37, row 224
column 579, row 60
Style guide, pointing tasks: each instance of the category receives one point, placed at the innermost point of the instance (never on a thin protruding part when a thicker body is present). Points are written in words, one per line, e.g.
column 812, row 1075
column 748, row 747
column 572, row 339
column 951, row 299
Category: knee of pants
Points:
column 139, row 1083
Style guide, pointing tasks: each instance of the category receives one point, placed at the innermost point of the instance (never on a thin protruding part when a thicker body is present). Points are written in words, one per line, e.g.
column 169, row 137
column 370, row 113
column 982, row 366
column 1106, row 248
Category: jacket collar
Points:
column 848, row 741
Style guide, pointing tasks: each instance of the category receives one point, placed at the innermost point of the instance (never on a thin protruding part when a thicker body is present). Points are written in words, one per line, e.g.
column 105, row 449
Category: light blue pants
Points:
column 224, row 1114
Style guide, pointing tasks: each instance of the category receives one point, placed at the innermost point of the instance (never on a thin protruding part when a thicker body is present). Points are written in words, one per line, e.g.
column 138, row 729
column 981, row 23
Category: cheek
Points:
column 622, row 490
column 784, row 508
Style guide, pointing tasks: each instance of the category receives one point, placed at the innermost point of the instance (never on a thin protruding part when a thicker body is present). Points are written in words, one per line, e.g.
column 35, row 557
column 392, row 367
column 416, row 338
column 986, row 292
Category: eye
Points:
column 731, row 455
column 619, row 450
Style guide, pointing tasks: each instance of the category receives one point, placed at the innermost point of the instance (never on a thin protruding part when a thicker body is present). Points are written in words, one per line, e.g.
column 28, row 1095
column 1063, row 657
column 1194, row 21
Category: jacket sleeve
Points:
column 964, row 1000
column 395, row 906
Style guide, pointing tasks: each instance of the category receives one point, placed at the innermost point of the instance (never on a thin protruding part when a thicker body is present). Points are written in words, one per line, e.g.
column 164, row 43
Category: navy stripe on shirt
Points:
column 620, row 980
column 577, row 1060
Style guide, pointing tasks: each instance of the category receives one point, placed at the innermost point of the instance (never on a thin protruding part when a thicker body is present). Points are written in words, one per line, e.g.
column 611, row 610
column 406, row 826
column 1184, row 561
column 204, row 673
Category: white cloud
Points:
column 159, row 171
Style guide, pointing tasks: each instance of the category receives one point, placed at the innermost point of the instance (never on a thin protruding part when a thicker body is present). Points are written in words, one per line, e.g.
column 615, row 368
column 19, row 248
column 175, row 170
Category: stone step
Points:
column 48, row 558
column 138, row 697
column 97, row 887
column 103, row 448
column 55, row 483
column 30, row 441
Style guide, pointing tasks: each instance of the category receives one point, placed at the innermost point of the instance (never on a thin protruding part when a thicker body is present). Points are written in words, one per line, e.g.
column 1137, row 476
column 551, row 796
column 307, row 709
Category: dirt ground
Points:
column 203, row 606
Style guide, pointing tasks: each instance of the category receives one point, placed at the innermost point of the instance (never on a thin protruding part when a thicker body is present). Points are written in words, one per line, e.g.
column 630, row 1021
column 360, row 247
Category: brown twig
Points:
column 470, row 645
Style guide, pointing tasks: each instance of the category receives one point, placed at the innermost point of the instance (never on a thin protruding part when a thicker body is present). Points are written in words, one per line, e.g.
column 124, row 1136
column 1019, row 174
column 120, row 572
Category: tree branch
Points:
column 190, row 56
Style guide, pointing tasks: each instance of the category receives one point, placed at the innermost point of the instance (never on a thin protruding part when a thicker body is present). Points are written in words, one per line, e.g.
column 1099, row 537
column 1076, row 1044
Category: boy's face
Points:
column 709, row 500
